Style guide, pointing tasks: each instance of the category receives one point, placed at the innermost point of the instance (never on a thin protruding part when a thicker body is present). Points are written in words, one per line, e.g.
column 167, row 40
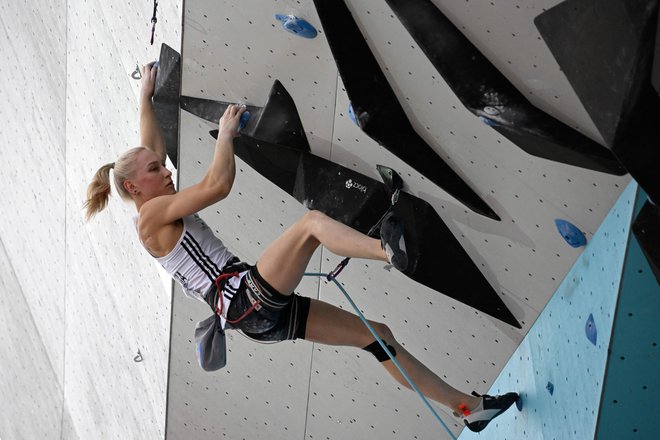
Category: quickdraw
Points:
column 154, row 20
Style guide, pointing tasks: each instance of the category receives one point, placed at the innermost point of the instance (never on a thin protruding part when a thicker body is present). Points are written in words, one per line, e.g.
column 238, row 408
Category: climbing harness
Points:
column 154, row 20
column 219, row 303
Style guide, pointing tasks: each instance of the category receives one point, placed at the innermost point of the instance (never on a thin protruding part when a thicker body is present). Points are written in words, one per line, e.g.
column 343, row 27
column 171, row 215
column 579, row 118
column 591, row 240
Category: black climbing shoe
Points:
column 392, row 241
column 489, row 408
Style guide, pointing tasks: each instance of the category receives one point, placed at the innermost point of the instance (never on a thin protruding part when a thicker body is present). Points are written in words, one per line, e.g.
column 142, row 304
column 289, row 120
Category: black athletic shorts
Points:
column 278, row 317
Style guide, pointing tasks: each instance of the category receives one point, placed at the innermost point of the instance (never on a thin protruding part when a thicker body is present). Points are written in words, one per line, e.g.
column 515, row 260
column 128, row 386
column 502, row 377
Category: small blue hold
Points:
column 245, row 117
column 550, row 387
column 157, row 64
column 297, row 26
column 590, row 329
column 487, row 121
column 519, row 403
column 199, row 354
column 571, row 233
column 351, row 114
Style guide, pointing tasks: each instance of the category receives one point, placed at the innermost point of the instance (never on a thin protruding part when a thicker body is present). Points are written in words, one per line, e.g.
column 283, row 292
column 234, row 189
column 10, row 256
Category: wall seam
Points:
column 616, row 312
column 318, row 289
column 66, row 95
column 311, row 358
column 178, row 185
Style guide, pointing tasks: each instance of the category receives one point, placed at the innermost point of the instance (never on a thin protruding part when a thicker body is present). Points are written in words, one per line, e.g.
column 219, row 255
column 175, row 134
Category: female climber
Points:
column 259, row 300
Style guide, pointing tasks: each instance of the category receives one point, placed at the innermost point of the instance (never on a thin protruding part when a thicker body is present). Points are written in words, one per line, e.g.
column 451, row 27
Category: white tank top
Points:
column 197, row 258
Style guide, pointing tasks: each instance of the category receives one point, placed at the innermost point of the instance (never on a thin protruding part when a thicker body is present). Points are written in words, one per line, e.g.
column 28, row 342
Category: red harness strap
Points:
column 220, row 282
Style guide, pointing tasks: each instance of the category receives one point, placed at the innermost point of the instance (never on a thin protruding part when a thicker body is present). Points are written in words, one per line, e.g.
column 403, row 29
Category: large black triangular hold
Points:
column 638, row 148
column 279, row 165
column 212, row 110
column 605, row 49
column 490, row 95
column 277, row 122
column 436, row 258
column 280, row 123
column 166, row 99
column 647, row 231
column 377, row 109
column 610, row 71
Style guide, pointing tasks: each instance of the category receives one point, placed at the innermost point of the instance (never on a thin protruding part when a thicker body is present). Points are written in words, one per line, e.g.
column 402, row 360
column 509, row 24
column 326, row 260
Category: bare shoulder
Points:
column 157, row 237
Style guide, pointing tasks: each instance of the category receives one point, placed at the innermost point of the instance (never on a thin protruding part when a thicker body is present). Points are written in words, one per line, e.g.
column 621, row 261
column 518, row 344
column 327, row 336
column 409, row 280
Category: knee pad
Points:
column 377, row 350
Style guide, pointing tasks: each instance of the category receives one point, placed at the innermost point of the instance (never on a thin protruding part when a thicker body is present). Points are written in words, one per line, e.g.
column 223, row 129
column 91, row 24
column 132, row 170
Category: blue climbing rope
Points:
column 330, row 277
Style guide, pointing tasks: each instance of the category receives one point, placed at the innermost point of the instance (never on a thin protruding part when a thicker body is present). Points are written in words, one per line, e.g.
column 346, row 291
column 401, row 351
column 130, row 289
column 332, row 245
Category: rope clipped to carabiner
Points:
column 154, row 20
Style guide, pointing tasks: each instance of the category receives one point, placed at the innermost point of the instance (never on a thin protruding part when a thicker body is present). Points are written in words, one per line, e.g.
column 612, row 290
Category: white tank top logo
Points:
column 182, row 280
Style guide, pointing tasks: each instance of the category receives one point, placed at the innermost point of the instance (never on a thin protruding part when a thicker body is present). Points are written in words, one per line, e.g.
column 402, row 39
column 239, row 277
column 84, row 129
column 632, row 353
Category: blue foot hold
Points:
column 590, row 329
column 296, row 25
column 487, row 121
column 245, row 117
column 571, row 233
column 351, row 114
column 519, row 403
column 550, row 387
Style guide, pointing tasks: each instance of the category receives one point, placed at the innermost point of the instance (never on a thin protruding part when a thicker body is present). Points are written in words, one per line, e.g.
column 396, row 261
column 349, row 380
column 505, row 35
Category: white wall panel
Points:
column 117, row 303
column 529, row 193
column 262, row 392
column 505, row 33
column 80, row 299
column 29, row 385
column 32, row 78
column 233, row 51
column 73, row 106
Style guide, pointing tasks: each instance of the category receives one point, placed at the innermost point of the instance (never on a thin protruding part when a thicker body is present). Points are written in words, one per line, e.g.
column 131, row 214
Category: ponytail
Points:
column 98, row 192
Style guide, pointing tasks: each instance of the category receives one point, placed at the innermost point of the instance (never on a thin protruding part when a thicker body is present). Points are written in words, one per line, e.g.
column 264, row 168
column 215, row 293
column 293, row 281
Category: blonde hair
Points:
column 98, row 192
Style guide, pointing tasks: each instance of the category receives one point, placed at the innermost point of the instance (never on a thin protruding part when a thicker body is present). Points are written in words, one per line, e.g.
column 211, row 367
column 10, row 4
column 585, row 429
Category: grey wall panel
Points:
column 262, row 392
column 523, row 256
column 233, row 51
column 32, row 142
column 506, row 35
column 32, row 80
column 81, row 306
column 117, row 302
column 29, row 383
column 529, row 193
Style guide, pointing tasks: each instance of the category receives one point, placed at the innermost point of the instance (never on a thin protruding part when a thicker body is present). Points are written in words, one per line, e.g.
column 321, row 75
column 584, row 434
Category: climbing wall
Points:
column 78, row 300
column 559, row 367
column 85, row 326
column 633, row 359
column 117, row 305
column 233, row 51
column 32, row 225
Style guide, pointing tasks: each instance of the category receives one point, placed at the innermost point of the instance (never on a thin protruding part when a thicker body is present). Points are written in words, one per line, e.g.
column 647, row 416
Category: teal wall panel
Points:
column 557, row 350
column 630, row 408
